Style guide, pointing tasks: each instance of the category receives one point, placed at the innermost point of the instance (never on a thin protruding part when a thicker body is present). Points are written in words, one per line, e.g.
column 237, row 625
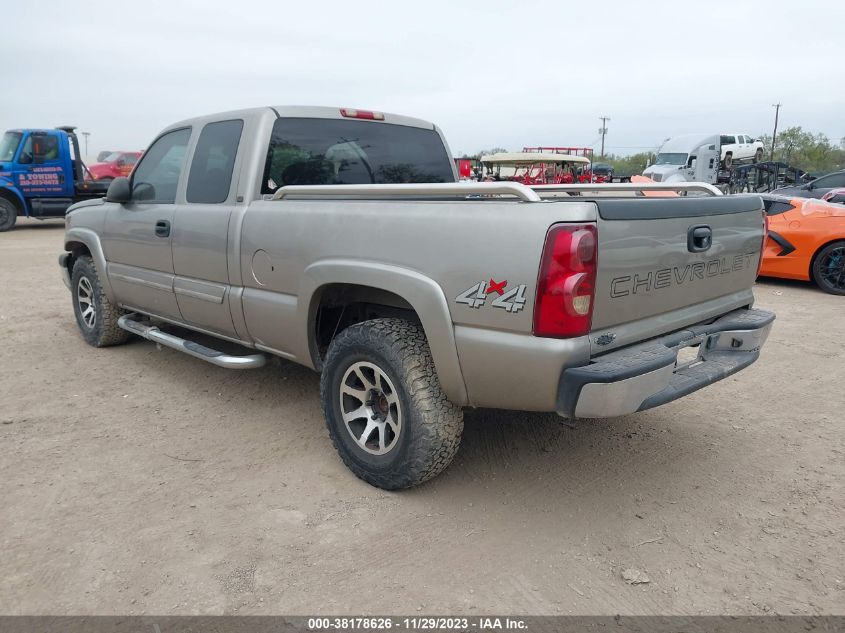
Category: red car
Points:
column 115, row 165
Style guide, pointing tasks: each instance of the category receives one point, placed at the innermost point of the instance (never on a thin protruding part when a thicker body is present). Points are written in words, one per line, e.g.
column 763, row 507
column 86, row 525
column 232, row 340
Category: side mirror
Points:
column 121, row 162
column 119, row 191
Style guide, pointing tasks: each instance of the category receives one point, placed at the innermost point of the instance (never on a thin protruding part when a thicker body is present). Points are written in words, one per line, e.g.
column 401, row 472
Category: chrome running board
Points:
column 213, row 356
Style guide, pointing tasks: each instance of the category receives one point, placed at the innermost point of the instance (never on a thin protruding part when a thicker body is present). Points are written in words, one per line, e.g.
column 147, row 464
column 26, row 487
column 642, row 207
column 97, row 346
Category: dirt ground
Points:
column 137, row 480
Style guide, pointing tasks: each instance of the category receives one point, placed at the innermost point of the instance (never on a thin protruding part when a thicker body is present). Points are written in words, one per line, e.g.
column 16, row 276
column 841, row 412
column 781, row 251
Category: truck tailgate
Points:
column 661, row 255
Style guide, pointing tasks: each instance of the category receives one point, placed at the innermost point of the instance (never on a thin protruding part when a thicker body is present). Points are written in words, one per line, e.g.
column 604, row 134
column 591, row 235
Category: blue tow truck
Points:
column 42, row 174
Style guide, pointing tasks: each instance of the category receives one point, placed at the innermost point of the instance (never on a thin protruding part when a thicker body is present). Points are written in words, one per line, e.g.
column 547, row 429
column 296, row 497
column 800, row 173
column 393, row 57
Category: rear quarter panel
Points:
column 457, row 245
column 805, row 234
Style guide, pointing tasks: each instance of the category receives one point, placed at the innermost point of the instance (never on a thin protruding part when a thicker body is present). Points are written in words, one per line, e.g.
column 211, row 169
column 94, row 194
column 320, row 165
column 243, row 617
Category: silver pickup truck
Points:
column 339, row 239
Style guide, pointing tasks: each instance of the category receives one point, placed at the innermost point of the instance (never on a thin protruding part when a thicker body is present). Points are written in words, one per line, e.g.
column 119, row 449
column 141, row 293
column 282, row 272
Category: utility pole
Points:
column 776, row 106
column 86, row 135
column 603, row 131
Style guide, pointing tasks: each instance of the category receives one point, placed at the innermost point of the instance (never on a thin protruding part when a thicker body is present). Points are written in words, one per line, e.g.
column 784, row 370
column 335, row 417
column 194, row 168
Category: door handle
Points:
column 163, row 228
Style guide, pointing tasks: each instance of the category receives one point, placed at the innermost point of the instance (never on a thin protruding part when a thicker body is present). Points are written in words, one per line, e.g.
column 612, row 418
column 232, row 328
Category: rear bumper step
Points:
column 647, row 375
column 129, row 323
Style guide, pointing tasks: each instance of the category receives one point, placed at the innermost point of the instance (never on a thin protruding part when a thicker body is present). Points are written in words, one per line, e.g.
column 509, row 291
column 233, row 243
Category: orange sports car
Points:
column 806, row 241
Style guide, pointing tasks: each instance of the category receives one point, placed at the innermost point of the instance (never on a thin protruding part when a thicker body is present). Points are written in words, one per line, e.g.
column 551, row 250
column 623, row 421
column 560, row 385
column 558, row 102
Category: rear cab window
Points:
column 307, row 151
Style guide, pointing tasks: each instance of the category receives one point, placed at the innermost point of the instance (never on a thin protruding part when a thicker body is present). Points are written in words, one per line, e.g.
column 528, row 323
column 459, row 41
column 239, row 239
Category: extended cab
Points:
column 41, row 175
column 340, row 239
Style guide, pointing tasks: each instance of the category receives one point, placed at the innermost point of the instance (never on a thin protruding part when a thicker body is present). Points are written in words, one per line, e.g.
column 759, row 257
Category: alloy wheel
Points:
column 370, row 408
column 85, row 300
column 832, row 268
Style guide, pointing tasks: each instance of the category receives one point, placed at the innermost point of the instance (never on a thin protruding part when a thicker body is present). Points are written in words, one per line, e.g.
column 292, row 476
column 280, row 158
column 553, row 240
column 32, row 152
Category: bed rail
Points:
column 630, row 186
column 515, row 189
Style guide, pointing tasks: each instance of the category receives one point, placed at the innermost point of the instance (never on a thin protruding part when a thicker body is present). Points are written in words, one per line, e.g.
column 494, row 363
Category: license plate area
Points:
column 688, row 356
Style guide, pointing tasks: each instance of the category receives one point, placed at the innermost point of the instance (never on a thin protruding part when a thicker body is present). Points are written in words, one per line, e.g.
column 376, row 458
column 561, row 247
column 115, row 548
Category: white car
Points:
column 740, row 147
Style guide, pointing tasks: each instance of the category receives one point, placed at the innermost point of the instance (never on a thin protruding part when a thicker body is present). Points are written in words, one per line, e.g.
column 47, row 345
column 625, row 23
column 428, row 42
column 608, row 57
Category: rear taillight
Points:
column 369, row 115
column 567, row 282
column 763, row 244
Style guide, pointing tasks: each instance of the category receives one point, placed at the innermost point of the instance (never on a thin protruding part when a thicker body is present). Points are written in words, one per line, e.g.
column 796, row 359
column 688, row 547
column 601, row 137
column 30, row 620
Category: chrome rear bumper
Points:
column 647, row 375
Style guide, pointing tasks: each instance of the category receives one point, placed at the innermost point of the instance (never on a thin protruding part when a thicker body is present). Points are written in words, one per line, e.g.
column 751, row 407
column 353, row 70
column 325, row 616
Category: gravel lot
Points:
column 138, row 480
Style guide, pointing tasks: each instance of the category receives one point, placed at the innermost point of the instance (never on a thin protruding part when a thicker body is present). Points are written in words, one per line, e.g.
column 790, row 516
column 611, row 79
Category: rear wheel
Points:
column 729, row 161
column 829, row 268
column 8, row 214
column 758, row 156
column 96, row 316
column 387, row 416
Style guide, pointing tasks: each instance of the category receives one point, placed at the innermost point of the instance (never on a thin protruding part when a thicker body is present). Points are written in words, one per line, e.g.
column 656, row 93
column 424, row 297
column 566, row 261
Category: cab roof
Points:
column 305, row 112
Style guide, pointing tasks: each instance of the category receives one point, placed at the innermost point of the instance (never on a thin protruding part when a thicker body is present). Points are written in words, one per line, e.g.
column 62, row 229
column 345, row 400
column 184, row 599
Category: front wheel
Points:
column 8, row 214
column 96, row 316
column 385, row 411
column 829, row 268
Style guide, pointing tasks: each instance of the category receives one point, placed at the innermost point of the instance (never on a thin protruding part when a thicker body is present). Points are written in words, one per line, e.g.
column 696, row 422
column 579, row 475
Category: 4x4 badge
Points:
column 512, row 300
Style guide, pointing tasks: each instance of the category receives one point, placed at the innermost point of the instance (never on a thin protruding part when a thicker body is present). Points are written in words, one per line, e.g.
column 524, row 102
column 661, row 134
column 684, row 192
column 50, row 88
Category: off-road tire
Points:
column 729, row 161
column 431, row 425
column 104, row 330
column 834, row 286
column 8, row 214
column 758, row 155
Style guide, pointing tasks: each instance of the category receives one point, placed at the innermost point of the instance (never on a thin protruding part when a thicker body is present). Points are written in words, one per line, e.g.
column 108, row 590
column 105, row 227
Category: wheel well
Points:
column 77, row 250
column 12, row 198
column 819, row 250
column 337, row 306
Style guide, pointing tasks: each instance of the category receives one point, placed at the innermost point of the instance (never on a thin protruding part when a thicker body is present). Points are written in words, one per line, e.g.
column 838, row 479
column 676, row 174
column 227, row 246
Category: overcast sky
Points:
column 490, row 73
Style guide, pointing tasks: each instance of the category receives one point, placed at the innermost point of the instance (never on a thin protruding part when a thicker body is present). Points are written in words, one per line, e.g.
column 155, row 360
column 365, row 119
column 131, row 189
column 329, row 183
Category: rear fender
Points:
column 79, row 236
column 422, row 293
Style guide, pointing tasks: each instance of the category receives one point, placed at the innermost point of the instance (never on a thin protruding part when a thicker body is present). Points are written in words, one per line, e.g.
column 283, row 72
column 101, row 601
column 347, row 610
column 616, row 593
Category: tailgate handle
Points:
column 699, row 238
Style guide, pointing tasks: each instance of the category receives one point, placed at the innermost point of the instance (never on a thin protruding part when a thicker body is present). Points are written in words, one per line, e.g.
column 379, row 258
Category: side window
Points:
column 825, row 182
column 727, row 140
column 214, row 158
column 157, row 175
column 45, row 148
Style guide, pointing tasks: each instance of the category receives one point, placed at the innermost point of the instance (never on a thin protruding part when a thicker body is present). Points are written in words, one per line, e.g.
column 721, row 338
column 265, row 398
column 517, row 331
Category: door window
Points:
column 727, row 140
column 39, row 149
column 214, row 159
column 157, row 175
column 829, row 182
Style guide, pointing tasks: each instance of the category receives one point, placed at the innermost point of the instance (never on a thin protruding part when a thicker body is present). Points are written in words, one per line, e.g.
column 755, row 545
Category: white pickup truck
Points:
column 739, row 148
column 340, row 239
